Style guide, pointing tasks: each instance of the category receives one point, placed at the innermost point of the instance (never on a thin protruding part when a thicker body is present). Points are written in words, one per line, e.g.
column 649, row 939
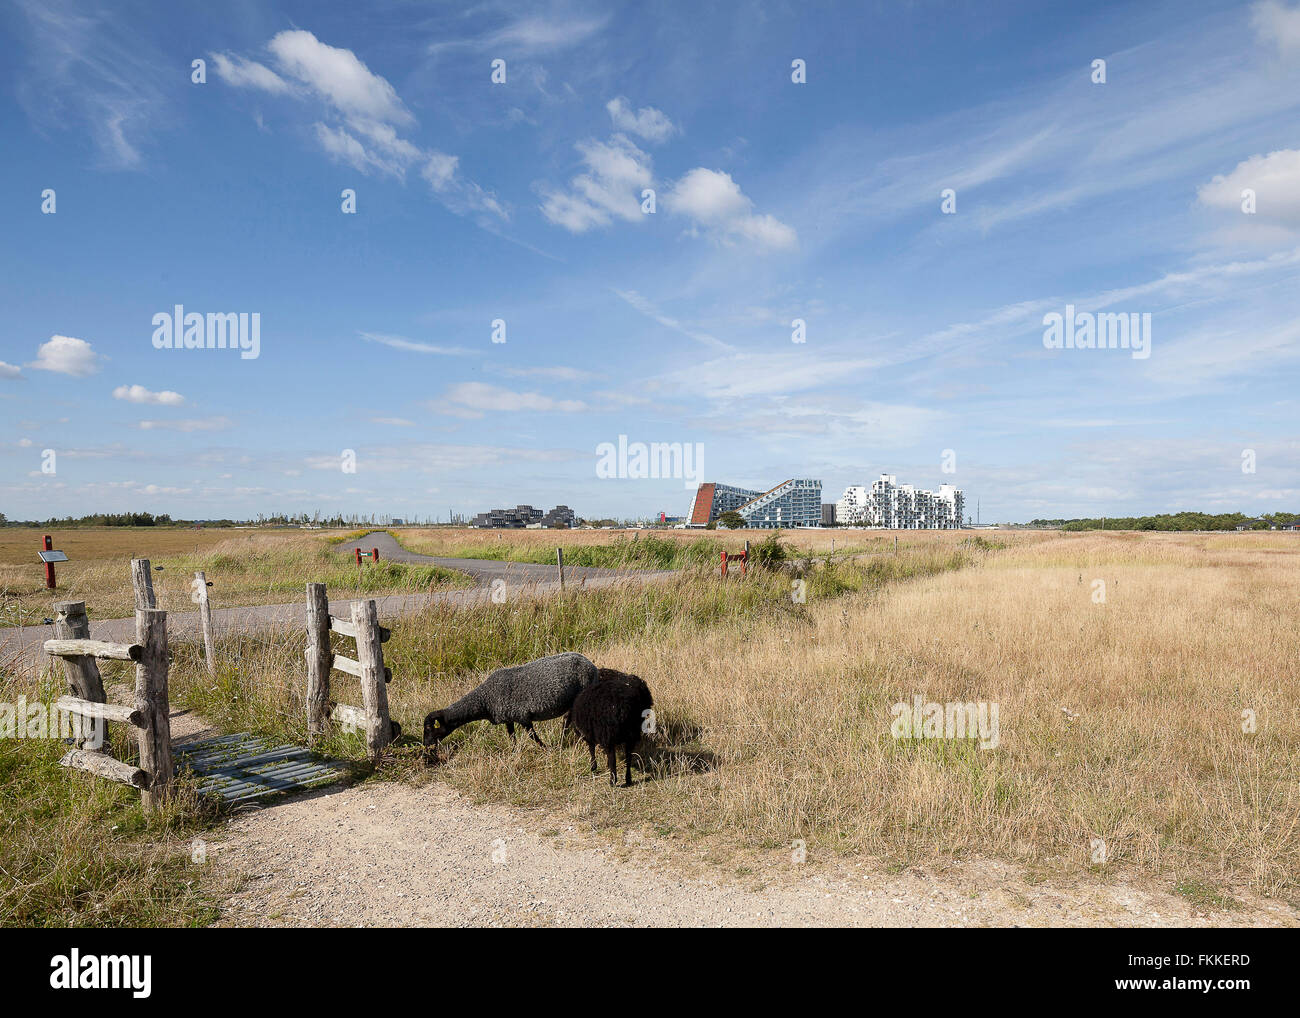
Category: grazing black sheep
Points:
column 609, row 713
column 535, row 691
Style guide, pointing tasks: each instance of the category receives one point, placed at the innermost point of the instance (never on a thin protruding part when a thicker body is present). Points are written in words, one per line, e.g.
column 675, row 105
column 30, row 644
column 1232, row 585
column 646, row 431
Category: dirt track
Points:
column 390, row 854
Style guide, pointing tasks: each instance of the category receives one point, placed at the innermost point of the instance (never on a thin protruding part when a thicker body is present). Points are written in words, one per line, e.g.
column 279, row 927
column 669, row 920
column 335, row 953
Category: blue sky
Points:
column 775, row 201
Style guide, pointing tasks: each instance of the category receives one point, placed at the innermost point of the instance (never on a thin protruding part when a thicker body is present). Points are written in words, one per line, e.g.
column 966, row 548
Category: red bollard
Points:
column 374, row 554
column 744, row 563
column 724, row 565
column 49, row 566
column 358, row 551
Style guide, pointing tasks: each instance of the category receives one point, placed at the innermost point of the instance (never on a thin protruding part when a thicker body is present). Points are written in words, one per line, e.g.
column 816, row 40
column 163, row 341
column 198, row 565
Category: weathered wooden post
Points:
column 49, row 566
column 374, row 694
column 319, row 661
column 559, row 565
column 205, row 620
column 374, row 554
column 142, row 582
column 82, row 673
column 152, row 702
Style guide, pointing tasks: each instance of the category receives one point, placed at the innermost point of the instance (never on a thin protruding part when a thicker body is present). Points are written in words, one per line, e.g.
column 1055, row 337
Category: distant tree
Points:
column 732, row 520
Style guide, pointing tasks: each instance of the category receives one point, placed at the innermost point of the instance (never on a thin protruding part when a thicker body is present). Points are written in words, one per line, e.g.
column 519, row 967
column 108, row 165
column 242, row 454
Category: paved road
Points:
column 483, row 570
column 21, row 647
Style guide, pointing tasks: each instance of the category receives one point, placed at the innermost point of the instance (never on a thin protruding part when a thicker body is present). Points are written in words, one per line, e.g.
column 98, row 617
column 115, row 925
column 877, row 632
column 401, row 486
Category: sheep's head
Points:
column 435, row 727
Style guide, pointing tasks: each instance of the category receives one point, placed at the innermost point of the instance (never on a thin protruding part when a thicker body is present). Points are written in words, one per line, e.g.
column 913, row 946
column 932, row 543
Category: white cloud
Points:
column 67, row 356
column 1276, row 23
column 10, row 370
column 649, row 123
column 715, row 203
column 617, row 173
column 402, row 343
column 396, row 422
column 339, row 77
column 139, row 394
column 1275, row 179
column 191, row 424
column 474, row 399
column 365, row 115
column 241, row 73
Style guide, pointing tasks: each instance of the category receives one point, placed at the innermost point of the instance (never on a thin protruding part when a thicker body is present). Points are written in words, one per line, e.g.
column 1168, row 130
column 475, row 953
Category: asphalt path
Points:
column 21, row 647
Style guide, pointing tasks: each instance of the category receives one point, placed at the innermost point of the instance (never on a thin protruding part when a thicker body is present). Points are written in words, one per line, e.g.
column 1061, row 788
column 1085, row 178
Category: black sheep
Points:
column 536, row 691
column 609, row 713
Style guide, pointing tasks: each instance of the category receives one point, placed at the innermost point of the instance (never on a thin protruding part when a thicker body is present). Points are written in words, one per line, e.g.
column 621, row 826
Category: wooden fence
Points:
column 150, row 716
column 368, row 666
column 150, row 713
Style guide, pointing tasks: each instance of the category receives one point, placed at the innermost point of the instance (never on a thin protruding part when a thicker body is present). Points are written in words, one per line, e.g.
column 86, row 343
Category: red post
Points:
column 49, row 566
column 374, row 554
column 744, row 563
column 358, row 551
column 724, row 565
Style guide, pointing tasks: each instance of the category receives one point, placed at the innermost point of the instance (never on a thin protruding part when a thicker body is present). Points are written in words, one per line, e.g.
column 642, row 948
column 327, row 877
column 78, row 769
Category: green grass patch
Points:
column 79, row 851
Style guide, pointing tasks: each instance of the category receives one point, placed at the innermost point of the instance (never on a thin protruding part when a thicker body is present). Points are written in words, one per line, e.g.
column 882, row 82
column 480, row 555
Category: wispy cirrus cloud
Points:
column 472, row 400
column 530, row 35
column 188, row 425
column 87, row 69
column 413, row 346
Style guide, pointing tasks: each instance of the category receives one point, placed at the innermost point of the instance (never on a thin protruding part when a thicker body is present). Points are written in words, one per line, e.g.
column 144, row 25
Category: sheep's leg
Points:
column 612, row 755
column 528, row 727
column 510, row 730
column 627, row 760
column 591, row 746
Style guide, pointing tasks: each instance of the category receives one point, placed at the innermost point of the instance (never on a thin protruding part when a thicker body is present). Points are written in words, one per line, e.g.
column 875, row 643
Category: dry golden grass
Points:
column 774, row 719
column 246, row 567
column 469, row 542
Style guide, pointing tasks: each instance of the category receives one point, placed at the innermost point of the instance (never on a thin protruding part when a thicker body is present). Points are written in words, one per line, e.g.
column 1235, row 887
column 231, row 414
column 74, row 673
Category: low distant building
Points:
column 1289, row 525
column 525, row 516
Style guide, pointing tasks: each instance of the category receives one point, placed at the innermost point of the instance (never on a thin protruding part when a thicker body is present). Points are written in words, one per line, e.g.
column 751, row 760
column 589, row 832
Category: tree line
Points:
column 1173, row 521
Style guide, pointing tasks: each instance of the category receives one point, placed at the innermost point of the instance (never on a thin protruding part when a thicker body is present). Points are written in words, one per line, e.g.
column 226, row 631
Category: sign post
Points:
column 49, row 556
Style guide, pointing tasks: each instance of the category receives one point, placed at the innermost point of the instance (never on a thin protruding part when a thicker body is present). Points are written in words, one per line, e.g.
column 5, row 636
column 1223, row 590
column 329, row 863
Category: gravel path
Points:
column 392, row 854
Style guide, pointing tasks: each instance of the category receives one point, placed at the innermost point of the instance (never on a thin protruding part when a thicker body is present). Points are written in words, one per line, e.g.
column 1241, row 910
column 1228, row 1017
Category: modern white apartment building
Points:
column 897, row 506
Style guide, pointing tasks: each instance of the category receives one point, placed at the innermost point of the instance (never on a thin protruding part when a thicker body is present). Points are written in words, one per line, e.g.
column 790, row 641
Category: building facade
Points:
column 897, row 506
column 712, row 500
column 793, row 503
